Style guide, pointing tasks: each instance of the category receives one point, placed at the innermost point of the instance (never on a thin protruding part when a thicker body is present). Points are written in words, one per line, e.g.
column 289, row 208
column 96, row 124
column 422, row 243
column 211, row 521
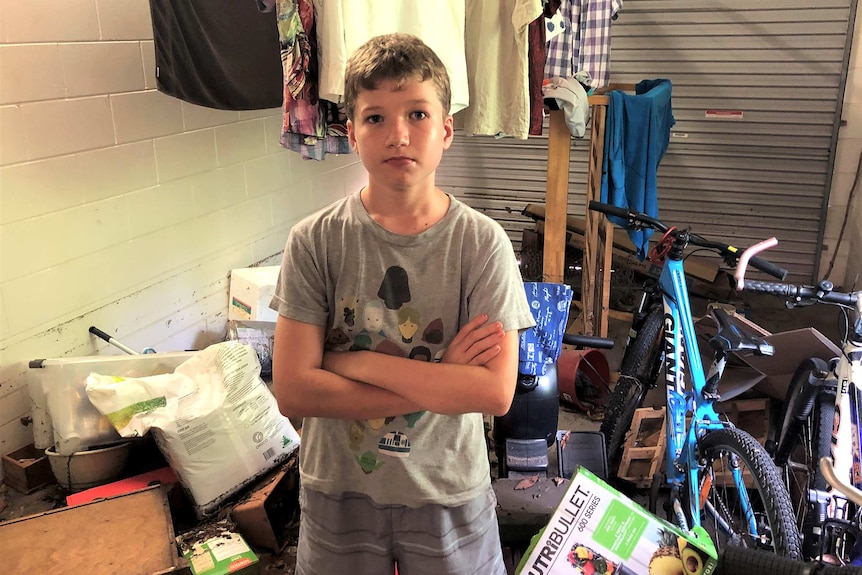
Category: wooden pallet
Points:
column 751, row 415
column 644, row 449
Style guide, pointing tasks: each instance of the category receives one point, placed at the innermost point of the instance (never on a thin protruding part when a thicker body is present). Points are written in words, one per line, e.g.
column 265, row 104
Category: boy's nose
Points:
column 398, row 133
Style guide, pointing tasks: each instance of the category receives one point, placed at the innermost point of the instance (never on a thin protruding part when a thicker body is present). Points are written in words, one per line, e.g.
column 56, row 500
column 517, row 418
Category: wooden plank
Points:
column 556, row 197
column 130, row 533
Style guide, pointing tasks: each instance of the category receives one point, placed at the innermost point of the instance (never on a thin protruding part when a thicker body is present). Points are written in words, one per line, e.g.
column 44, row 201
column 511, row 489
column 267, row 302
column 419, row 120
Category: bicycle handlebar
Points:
column 735, row 560
column 587, row 341
column 637, row 220
column 747, row 256
column 800, row 292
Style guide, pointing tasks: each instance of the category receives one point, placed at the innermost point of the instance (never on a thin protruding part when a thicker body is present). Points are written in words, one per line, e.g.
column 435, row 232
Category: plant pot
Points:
column 86, row 469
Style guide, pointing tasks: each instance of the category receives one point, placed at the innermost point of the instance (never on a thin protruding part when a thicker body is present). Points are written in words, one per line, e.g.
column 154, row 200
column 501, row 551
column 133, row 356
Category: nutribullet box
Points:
column 596, row 530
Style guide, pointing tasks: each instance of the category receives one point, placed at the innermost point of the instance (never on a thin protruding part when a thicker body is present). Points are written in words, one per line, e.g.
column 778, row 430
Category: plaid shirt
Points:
column 585, row 44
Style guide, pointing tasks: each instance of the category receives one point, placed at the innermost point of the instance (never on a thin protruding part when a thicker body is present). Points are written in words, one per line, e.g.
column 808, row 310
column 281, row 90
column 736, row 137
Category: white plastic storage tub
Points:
column 63, row 417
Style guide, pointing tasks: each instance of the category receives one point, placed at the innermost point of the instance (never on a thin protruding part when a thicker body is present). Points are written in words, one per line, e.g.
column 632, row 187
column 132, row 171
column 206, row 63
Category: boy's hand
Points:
column 477, row 343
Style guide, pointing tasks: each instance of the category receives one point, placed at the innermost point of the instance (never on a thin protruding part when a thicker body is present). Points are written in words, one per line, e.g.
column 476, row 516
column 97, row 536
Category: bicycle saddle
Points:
column 732, row 337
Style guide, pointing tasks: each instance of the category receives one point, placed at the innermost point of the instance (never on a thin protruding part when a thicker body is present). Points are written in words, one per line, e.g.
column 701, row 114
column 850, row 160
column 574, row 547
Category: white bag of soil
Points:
column 214, row 420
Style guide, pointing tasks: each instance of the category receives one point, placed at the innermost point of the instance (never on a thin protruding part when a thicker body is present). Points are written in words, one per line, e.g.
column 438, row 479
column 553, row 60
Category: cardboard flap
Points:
column 791, row 347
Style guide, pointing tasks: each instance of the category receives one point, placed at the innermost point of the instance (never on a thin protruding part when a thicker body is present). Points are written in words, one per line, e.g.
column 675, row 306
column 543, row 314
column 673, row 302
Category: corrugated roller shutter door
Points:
column 778, row 70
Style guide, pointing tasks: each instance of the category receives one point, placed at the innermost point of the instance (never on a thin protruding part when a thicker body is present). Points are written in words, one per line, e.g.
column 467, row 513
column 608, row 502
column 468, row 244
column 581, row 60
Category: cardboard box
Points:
column 27, row 469
column 769, row 375
column 264, row 516
column 131, row 533
column 791, row 348
column 595, row 529
column 251, row 290
column 215, row 549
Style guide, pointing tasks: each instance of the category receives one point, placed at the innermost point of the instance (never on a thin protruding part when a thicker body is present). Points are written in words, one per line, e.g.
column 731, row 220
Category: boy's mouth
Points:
column 399, row 160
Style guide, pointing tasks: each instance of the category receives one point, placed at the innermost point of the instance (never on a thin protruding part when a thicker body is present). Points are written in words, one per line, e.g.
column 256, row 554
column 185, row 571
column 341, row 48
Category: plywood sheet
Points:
column 127, row 534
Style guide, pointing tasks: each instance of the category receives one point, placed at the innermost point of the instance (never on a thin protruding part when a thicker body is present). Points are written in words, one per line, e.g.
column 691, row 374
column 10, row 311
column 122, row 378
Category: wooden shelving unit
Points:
column 598, row 236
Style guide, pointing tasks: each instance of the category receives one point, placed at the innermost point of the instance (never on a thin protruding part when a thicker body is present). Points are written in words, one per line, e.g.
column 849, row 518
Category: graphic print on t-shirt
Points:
column 390, row 323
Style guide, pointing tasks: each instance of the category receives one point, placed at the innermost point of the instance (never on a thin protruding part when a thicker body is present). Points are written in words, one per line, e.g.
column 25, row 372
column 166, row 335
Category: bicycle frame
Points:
column 846, row 434
column 680, row 341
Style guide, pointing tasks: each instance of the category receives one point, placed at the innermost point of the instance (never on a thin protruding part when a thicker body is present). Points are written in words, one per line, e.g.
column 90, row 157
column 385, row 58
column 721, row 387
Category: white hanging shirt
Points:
column 498, row 65
column 344, row 25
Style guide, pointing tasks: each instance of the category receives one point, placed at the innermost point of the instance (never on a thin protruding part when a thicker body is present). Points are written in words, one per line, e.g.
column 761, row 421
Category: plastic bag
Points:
column 214, row 420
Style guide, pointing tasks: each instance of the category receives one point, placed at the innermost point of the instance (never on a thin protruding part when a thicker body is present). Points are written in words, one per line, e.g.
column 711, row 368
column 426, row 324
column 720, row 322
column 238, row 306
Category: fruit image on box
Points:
column 596, row 530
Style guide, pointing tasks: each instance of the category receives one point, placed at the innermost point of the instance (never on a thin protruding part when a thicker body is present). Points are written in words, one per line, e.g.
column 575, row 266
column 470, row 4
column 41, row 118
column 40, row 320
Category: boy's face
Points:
column 400, row 134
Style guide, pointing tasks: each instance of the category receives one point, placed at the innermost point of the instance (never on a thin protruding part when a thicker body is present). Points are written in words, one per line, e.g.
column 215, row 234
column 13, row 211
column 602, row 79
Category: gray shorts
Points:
column 349, row 533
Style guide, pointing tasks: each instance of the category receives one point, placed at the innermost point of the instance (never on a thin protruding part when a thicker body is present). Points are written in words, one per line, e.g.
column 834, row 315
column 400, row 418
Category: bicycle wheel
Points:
column 638, row 372
column 802, row 442
column 723, row 515
column 736, row 560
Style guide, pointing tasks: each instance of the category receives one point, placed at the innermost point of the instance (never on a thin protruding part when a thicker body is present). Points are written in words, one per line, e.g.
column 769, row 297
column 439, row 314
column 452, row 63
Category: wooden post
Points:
column 556, row 198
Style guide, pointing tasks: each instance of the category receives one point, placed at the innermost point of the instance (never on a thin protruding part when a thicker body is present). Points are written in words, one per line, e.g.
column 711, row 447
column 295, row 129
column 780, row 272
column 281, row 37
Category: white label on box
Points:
column 226, row 547
column 201, row 560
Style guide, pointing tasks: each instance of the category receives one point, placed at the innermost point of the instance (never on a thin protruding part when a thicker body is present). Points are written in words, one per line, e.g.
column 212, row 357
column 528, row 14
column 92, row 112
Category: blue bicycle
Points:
column 720, row 477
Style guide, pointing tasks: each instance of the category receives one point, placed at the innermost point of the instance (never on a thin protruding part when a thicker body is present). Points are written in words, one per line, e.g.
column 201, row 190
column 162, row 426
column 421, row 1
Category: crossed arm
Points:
column 477, row 374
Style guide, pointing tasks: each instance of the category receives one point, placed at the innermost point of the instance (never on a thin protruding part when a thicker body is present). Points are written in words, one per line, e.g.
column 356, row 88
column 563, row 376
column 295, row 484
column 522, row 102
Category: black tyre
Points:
column 737, row 560
column 802, row 442
column 638, row 372
column 723, row 515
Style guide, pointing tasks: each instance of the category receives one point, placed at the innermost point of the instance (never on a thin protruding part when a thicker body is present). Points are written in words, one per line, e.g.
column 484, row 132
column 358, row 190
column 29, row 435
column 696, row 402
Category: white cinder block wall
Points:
column 847, row 160
column 121, row 207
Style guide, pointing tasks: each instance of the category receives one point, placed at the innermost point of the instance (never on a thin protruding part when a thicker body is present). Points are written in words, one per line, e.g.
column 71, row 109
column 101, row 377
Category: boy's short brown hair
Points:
column 398, row 57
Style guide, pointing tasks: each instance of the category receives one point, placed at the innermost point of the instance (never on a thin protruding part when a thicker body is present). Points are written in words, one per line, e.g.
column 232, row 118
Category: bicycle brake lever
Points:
column 798, row 303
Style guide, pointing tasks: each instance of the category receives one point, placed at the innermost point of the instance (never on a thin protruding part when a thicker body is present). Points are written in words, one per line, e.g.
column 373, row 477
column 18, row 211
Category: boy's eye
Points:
column 374, row 119
column 418, row 115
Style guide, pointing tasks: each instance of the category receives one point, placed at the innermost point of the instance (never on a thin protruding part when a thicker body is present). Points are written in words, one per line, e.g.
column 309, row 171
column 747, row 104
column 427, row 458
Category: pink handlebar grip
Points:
column 747, row 255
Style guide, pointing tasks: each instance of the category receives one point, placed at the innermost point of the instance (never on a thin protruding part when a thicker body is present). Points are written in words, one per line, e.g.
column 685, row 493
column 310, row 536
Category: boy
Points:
column 393, row 462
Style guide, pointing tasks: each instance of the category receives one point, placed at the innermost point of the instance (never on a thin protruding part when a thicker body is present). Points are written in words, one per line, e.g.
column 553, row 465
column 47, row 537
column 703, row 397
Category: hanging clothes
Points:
column 536, row 57
column 570, row 96
column 312, row 127
column 216, row 53
column 347, row 24
column 496, row 48
column 585, row 44
column 637, row 134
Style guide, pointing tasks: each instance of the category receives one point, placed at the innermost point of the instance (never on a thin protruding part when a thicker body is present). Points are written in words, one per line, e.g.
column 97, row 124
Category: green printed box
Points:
column 596, row 530
column 222, row 554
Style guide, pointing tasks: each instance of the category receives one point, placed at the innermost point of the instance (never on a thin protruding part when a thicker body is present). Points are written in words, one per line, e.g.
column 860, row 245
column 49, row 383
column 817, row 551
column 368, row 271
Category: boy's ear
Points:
column 448, row 131
column 351, row 137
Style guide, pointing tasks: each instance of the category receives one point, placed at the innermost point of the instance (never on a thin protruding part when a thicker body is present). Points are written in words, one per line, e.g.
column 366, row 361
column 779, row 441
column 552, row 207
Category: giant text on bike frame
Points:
column 675, row 379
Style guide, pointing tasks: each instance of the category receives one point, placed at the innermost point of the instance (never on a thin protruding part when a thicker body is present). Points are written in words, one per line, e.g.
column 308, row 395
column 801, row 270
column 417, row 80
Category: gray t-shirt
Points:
column 406, row 296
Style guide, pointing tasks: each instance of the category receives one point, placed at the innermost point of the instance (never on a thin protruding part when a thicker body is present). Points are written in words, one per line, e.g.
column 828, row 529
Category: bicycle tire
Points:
column 638, row 371
column 770, row 502
column 801, row 444
column 792, row 422
column 736, row 560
